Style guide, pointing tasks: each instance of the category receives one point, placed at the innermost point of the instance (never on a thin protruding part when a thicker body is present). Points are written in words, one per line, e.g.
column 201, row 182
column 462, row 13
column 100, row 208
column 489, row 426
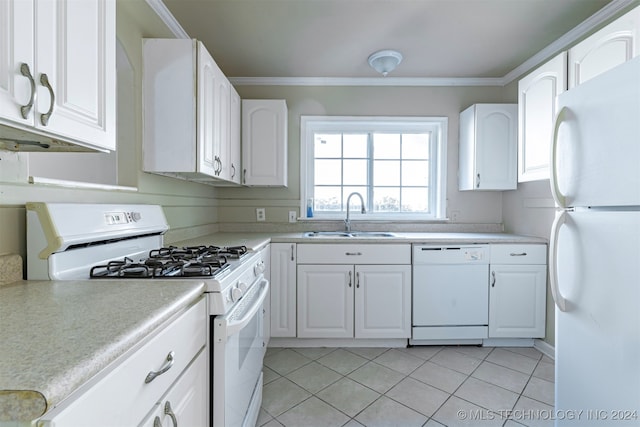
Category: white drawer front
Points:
column 518, row 254
column 122, row 397
column 354, row 254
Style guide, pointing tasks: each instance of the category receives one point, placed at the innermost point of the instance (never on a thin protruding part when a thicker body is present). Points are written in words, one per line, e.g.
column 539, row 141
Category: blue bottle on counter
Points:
column 309, row 208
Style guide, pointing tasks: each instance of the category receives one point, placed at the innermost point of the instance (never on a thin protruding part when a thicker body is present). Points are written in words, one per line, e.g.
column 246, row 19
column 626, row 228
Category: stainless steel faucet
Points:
column 347, row 221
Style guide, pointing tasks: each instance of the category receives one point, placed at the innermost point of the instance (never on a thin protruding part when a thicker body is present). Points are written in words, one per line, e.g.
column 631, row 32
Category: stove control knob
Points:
column 243, row 287
column 259, row 268
column 236, row 294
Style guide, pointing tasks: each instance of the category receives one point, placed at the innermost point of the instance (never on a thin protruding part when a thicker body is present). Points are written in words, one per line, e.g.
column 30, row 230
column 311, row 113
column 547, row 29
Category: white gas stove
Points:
column 68, row 241
column 106, row 241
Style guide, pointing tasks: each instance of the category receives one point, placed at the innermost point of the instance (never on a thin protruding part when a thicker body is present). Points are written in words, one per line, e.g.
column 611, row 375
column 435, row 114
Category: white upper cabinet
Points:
column 58, row 75
column 235, row 152
column 264, row 142
column 611, row 46
column 537, row 107
column 188, row 136
column 487, row 155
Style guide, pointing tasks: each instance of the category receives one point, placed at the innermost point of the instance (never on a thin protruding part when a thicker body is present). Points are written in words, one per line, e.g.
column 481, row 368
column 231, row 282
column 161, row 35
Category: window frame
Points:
column 438, row 126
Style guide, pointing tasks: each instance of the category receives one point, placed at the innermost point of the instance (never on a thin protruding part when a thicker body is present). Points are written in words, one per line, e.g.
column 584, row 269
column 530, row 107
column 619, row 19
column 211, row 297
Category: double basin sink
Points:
column 349, row 234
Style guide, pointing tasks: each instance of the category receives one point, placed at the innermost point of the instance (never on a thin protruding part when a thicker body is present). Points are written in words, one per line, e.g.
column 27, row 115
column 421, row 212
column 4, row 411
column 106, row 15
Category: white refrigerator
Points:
column 594, row 256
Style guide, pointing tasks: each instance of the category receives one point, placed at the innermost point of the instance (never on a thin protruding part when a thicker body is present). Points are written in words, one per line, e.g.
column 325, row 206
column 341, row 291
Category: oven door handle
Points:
column 226, row 327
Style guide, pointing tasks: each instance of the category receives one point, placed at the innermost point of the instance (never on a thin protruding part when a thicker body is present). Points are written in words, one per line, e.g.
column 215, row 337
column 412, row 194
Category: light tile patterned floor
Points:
column 417, row 386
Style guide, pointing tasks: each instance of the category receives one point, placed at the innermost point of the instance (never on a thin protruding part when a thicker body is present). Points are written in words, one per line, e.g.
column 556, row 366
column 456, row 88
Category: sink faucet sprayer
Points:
column 347, row 221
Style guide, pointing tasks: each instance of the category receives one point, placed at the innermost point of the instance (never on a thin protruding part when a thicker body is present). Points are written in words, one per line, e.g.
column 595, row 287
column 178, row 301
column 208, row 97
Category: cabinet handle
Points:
column 349, row 279
column 25, row 109
column 244, row 176
column 478, row 181
column 493, row 279
column 519, row 254
column 168, row 411
column 353, row 253
column 44, row 119
column 157, row 422
column 292, row 250
column 168, row 364
column 357, row 280
column 233, row 171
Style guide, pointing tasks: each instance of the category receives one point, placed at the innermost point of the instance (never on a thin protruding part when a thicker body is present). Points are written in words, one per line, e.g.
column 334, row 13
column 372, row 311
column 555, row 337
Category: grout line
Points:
column 520, row 395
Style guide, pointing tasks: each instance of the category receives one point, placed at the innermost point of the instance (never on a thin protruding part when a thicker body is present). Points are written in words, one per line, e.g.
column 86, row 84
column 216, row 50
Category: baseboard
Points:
column 336, row 342
column 545, row 348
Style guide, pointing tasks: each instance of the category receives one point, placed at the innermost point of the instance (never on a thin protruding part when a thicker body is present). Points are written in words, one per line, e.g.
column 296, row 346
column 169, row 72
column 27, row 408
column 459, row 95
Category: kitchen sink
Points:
column 347, row 234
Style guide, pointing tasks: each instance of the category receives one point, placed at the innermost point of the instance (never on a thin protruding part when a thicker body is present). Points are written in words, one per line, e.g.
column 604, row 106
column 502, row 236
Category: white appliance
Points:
column 450, row 294
column 594, row 257
column 67, row 241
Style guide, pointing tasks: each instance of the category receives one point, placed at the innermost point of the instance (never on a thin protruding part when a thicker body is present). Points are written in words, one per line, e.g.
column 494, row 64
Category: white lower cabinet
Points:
column 170, row 367
column 283, row 290
column 186, row 402
column 517, row 291
column 347, row 300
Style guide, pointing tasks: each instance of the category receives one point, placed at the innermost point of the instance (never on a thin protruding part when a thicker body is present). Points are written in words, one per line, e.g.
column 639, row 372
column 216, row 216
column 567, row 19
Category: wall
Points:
column 191, row 209
column 237, row 206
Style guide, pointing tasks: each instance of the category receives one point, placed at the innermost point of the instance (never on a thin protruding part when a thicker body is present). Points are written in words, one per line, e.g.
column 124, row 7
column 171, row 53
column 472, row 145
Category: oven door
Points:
column 238, row 352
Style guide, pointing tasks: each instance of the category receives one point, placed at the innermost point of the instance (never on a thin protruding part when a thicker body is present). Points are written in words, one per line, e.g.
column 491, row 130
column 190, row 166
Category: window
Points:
column 396, row 164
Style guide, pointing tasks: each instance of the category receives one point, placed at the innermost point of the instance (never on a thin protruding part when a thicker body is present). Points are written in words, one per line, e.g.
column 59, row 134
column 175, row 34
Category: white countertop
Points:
column 56, row 335
column 258, row 240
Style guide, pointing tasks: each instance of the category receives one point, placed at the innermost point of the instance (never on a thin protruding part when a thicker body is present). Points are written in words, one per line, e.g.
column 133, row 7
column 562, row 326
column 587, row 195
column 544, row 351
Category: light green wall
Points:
column 238, row 205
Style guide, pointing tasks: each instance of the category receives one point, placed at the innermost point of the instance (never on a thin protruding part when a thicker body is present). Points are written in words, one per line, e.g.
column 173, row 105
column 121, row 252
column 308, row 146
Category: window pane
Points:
column 327, row 145
column 415, row 173
column 386, row 199
column 386, row 146
column 355, row 204
column 328, row 172
column 415, row 199
column 415, row 146
column 327, row 199
column 355, row 145
column 355, row 172
column 386, row 172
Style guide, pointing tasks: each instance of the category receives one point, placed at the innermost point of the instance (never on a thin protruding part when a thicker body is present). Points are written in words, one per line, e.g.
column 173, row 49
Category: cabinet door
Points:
column 383, row 301
column 283, row 289
column 537, row 109
column 75, row 49
column 222, row 126
column 207, row 152
column 16, row 48
column 517, row 301
column 235, row 156
column 264, row 142
column 488, row 141
column 325, row 301
column 611, row 46
column 186, row 400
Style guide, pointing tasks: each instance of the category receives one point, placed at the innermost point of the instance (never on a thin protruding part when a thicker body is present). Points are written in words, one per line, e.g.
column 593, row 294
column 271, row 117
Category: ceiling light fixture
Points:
column 385, row 61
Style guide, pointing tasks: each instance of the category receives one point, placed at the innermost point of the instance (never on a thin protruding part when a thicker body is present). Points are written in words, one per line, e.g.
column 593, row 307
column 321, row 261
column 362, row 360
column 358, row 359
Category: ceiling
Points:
column 334, row 38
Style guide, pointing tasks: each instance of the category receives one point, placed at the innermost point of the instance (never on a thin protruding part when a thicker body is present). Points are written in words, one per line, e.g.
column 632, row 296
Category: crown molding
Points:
column 589, row 24
column 365, row 81
column 167, row 17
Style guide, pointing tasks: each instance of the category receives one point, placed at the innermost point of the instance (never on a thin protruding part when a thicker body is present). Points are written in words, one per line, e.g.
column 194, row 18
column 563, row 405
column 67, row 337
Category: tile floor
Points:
column 418, row 386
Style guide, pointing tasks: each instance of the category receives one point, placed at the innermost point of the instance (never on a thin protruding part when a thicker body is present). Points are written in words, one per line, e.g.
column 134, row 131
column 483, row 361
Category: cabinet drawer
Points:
column 122, row 397
column 519, row 254
column 354, row 254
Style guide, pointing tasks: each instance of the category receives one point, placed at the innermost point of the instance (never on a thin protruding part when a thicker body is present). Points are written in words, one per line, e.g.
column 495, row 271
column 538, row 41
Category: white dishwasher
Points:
column 450, row 294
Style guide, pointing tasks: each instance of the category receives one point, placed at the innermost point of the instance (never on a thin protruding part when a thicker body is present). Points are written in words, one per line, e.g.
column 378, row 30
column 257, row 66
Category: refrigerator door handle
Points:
column 558, row 197
column 560, row 301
